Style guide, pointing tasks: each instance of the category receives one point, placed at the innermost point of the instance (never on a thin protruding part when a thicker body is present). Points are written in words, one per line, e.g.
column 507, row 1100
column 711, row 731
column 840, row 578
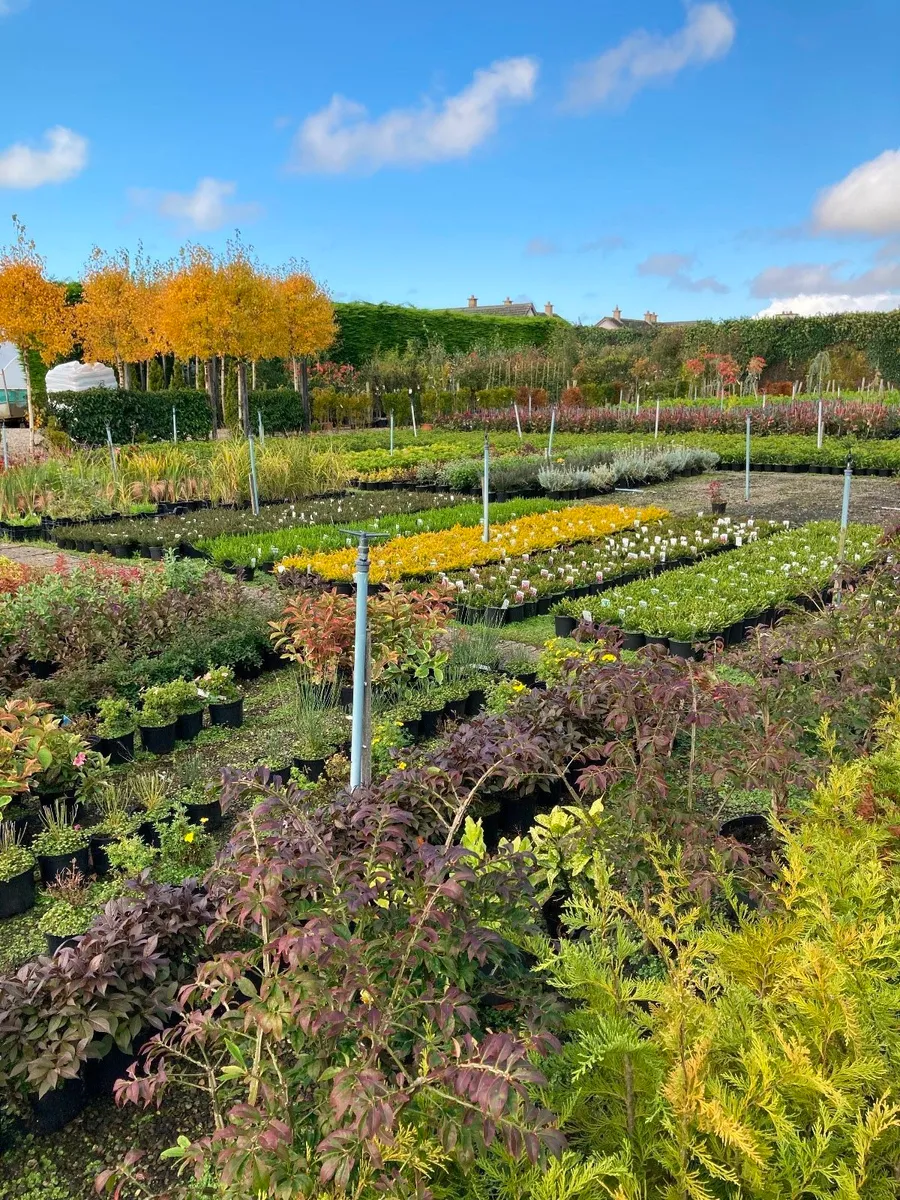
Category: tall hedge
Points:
column 365, row 329
column 131, row 416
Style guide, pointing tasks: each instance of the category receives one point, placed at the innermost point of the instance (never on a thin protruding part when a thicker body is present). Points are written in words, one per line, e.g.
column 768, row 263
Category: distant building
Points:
column 650, row 321
column 507, row 309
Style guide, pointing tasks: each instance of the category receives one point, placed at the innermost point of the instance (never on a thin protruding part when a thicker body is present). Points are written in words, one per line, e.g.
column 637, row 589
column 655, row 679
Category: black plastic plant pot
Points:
column 475, row 702
column 515, row 613
column 428, row 723
column 529, row 678
column 17, row 894
column 229, row 715
column 494, row 615
column 56, row 942
column 347, row 696
column 281, row 775
column 148, row 833
column 53, row 865
column 118, row 749
column 209, row 815
column 517, row 814
column 745, row 829
column 159, row 739
column 343, row 587
column 719, row 506
column 188, row 725
column 530, row 607
column 734, row 633
column 681, row 649
column 544, row 604
column 99, row 858
column 39, row 668
column 564, row 626
column 312, row 768
column 54, row 1110
column 662, row 642
column 156, row 553
column 632, row 641
column 456, row 708
column 122, row 551
column 411, row 727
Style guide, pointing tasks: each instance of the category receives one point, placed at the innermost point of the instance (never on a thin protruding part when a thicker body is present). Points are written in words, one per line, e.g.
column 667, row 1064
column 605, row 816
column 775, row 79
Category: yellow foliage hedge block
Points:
column 461, row 546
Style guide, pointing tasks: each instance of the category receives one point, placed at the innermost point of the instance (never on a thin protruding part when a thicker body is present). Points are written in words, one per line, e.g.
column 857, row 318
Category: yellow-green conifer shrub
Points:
column 713, row 1051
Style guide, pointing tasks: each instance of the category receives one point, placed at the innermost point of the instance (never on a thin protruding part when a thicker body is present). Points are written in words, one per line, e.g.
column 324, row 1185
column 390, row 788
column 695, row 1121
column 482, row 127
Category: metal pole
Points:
column 358, row 741
column 821, row 426
column 112, row 453
column 392, row 431
column 412, row 413
column 485, row 488
column 656, row 423
column 5, row 449
column 637, row 402
column 254, row 485
column 518, row 422
column 262, row 432
column 747, row 465
column 845, row 507
column 174, row 425
column 552, row 427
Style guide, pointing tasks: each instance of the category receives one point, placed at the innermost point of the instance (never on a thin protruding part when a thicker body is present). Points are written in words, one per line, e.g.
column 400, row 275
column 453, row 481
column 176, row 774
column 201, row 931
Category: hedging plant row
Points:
column 753, row 581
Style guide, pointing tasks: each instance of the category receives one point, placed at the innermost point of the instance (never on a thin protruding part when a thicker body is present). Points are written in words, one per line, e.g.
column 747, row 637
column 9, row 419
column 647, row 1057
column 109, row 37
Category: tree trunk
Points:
column 126, row 376
column 295, row 370
column 26, row 367
column 212, row 388
column 304, row 395
column 243, row 398
column 253, row 375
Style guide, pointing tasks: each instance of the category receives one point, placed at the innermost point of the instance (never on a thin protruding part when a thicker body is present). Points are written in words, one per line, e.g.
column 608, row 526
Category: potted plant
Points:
column 318, row 726
column 61, row 845
column 158, row 720
column 201, row 807
column 74, row 902
column 226, row 704
column 16, row 872
column 188, row 703
column 716, row 499
column 150, row 793
column 186, row 851
column 116, row 724
column 117, row 821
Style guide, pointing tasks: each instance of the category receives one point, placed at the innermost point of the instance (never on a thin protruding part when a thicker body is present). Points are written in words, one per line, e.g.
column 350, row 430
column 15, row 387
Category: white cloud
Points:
column 867, row 201
column 816, row 305
column 642, row 58
column 342, row 137
column 820, row 279
column 206, row 208
column 674, row 267
column 8, row 7
column 64, row 156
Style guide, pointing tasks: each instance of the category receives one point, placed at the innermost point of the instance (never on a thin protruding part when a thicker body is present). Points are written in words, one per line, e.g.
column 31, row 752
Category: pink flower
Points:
column 79, row 759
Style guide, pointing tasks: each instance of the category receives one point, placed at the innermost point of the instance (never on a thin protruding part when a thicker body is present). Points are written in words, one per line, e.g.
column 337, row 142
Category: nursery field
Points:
column 614, row 913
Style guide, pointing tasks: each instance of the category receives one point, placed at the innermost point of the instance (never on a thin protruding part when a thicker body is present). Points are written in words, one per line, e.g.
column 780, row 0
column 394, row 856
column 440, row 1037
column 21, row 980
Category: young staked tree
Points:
column 306, row 325
column 186, row 315
column 113, row 320
column 245, row 325
column 33, row 311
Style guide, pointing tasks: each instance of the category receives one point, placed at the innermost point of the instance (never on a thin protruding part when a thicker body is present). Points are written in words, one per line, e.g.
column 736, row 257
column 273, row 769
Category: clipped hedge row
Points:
column 131, row 416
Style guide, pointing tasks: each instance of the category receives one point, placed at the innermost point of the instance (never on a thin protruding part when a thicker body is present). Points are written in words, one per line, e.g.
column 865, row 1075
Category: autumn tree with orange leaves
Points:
column 186, row 315
column 306, row 325
column 33, row 311
column 115, row 317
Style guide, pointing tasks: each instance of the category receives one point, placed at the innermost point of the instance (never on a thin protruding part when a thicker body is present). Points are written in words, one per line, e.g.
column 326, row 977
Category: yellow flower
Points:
column 609, row 658
column 189, row 837
column 401, row 766
column 203, row 820
column 367, row 998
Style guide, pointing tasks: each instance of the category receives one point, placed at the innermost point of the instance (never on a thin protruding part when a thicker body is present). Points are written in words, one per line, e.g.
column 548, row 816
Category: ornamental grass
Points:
column 462, row 546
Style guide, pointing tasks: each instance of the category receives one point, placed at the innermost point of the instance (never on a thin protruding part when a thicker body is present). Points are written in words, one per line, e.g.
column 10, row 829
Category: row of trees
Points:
column 199, row 306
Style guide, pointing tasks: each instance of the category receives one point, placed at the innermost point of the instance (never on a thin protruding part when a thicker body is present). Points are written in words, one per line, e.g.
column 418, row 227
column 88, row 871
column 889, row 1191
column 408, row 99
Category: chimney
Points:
column 650, row 317
column 617, row 313
column 548, row 309
column 507, row 302
column 473, row 302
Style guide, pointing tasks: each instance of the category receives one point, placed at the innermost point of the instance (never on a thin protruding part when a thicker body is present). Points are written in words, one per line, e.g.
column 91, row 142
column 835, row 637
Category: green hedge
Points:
column 131, row 416
column 365, row 329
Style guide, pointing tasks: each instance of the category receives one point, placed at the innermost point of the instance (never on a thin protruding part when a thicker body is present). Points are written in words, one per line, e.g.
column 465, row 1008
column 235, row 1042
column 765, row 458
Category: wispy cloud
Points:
column 867, row 201
column 207, row 208
column 63, row 156
column 342, row 137
column 643, row 58
column 674, row 268
column 823, row 279
column 604, row 244
column 540, row 247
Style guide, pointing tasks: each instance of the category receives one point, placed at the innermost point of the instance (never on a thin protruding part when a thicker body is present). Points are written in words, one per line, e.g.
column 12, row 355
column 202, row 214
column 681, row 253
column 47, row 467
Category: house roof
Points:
column 500, row 310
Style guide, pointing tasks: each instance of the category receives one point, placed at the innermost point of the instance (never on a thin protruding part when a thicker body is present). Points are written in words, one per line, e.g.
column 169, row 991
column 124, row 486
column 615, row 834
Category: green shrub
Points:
column 131, row 416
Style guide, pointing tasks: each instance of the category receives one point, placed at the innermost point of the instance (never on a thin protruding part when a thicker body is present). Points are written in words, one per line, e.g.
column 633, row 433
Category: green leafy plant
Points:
column 116, row 717
column 15, row 858
column 74, row 902
column 217, row 686
column 60, row 834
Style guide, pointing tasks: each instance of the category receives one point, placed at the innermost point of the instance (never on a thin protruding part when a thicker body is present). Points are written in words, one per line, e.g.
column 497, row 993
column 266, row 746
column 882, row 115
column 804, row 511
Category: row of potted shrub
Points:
column 714, row 599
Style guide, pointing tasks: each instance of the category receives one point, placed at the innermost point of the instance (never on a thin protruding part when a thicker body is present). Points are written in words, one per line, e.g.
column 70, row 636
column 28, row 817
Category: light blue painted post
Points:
column 485, row 488
column 392, row 431
column 412, row 413
column 552, row 427
column 359, row 662
column 254, row 486
column 747, row 464
column 262, row 431
column 112, row 453
column 518, row 422
column 637, row 403
column 656, row 423
column 5, row 449
column 174, row 425
column 845, row 507
column 820, row 428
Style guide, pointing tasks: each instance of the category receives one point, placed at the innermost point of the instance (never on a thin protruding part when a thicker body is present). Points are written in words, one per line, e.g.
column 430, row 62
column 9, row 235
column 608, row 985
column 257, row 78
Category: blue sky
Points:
column 695, row 159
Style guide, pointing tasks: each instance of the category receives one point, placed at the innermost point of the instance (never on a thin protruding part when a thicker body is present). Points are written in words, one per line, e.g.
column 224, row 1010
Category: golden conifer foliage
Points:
column 33, row 311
